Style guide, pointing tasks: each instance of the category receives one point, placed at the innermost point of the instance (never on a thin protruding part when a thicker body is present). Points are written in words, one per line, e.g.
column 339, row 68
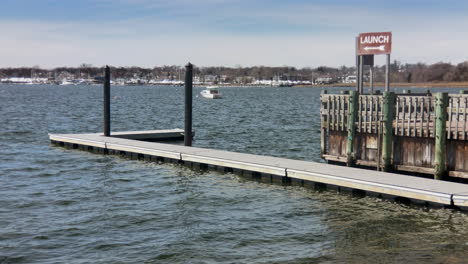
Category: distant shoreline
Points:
column 403, row 85
column 378, row 85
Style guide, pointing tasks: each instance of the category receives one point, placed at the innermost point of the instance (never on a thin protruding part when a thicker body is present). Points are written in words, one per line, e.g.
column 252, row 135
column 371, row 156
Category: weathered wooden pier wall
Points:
column 423, row 133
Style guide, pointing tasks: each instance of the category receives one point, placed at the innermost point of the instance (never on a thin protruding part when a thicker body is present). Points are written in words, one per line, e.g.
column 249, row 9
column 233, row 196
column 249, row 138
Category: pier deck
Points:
column 303, row 172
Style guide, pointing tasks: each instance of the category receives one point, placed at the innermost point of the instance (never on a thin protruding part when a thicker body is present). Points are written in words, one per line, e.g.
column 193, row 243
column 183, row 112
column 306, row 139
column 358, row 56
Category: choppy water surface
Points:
column 68, row 206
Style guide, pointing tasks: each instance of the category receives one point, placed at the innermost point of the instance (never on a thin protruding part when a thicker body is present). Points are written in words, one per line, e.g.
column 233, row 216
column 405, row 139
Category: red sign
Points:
column 374, row 43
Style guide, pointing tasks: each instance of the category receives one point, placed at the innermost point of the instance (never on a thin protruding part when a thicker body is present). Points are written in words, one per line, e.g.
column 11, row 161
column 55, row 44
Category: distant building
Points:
column 350, row 79
column 324, row 80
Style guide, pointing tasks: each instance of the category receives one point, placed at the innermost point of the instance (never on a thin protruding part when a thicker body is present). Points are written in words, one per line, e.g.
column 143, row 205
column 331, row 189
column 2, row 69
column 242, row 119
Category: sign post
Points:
column 369, row 61
column 375, row 43
column 387, row 74
column 358, row 73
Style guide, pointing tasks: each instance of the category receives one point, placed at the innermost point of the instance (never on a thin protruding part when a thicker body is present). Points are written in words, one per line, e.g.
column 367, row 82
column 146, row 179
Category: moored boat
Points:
column 211, row 92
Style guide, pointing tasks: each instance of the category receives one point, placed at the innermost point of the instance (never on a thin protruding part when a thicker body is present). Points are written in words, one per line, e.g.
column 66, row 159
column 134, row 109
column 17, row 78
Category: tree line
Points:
column 404, row 73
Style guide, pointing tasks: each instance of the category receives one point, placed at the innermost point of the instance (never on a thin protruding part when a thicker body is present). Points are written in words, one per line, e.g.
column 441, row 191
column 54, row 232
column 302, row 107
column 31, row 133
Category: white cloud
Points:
column 318, row 36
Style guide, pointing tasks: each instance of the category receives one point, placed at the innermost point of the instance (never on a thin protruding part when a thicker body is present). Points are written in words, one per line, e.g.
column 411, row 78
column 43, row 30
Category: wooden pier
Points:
column 421, row 133
column 318, row 175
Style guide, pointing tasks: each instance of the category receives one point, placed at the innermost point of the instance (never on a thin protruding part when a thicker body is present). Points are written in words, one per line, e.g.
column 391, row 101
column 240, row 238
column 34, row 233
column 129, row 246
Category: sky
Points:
column 232, row 33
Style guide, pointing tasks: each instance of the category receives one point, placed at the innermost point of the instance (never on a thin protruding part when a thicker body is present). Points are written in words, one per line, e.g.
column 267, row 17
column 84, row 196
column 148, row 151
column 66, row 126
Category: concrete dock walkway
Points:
column 416, row 189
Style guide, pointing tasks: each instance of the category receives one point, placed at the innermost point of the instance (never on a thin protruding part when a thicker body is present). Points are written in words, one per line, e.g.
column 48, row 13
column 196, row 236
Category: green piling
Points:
column 352, row 114
column 387, row 139
column 441, row 102
column 323, row 130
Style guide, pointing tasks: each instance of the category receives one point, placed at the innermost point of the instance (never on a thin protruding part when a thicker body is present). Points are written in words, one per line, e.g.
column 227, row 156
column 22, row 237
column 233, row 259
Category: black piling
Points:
column 107, row 125
column 188, row 105
column 387, row 74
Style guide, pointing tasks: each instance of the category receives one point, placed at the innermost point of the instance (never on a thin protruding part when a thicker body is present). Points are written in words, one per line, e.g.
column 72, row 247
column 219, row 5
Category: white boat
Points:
column 211, row 92
column 66, row 82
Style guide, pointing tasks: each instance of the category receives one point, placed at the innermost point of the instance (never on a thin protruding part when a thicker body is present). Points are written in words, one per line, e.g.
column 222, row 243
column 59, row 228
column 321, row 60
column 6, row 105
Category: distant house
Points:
column 350, row 79
column 324, row 80
column 210, row 78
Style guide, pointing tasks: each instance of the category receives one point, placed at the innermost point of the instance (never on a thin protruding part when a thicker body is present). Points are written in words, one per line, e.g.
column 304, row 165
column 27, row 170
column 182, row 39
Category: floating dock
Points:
column 152, row 135
column 402, row 188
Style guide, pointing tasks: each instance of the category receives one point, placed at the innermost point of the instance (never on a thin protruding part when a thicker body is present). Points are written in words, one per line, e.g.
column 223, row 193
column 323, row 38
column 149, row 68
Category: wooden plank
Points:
column 434, row 118
column 371, row 123
column 342, row 112
column 360, row 114
column 409, row 116
column 410, row 149
column 404, row 116
column 415, row 116
column 331, row 144
column 404, row 150
column 450, row 159
column 397, row 115
column 449, row 128
column 328, row 119
column 381, row 102
column 459, row 157
column 397, row 150
column 368, row 163
column 464, row 117
column 427, row 152
column 343, row 106
column 415, row 169
column 338, row 113
column 332, row 111
column 457, row 119
column 366, row 119
column 335, row 158
column 323, row 137
column 428, row 118
column 458, row 174
column 421, row 117
column 418, row 153
column 465, row 156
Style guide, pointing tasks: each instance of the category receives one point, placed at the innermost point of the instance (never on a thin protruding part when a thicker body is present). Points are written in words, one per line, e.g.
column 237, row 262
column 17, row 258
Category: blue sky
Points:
column 300, row 33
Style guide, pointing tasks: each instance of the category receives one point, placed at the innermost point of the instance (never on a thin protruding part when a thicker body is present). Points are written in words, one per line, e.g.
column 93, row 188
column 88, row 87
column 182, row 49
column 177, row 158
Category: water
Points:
column 68, row 206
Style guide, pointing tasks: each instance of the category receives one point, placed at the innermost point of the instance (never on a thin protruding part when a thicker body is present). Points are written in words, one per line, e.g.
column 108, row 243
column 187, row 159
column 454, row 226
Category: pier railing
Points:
column 370, row 113
column 410, row 134
column 457, row 117
column 414, row 116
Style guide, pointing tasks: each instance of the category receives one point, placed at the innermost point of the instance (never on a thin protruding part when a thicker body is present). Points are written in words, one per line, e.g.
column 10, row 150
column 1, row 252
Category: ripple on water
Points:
column 67, row 206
